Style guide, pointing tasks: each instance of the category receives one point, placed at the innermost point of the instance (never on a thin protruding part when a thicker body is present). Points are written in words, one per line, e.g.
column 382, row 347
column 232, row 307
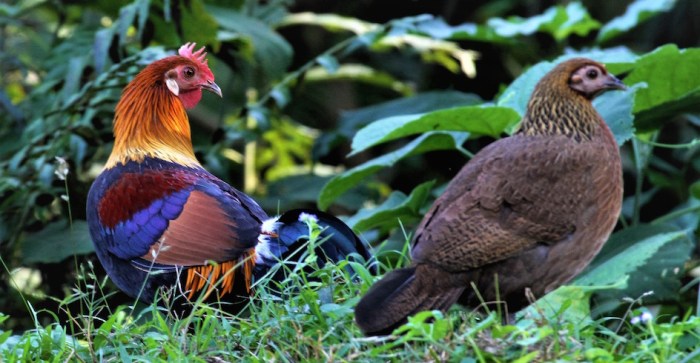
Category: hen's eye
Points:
column 188, row 72
column 593, row 73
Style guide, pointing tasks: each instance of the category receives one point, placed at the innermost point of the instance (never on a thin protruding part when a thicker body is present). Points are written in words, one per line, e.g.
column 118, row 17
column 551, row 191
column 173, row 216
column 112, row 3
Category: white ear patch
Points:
column 172, row 86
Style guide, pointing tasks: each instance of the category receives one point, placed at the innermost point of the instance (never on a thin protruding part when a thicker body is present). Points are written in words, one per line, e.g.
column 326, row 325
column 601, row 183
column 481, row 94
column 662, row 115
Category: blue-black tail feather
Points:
column 337, row 241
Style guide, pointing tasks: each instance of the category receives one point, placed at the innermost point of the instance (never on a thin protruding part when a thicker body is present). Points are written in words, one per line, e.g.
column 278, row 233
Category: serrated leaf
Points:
column 479, row 120
column 628, row 256
column 616, row 109
column 637, row 12
column 394, row 208
column 653, row 256
column 672, row 77
column 56, row 242
column 427, row 142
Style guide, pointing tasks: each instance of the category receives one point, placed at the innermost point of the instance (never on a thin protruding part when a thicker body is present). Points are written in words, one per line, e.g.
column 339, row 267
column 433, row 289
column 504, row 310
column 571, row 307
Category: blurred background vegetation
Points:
column 300, row 78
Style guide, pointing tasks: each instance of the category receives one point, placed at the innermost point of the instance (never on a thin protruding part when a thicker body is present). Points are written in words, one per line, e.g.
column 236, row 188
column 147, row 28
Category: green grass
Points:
column 309, row 317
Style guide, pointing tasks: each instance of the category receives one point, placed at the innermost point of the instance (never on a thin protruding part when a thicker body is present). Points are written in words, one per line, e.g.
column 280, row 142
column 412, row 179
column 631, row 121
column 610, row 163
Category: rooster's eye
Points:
column 189, row 72
column 593, row 73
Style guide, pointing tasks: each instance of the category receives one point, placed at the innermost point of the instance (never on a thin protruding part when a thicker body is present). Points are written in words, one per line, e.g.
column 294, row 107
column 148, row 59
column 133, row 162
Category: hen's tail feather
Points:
column 402, row 293
column 290, row 231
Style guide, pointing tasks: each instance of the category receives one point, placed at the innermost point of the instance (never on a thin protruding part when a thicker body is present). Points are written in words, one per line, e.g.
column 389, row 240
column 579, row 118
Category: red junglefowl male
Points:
column 158, row 219
column 528, row 211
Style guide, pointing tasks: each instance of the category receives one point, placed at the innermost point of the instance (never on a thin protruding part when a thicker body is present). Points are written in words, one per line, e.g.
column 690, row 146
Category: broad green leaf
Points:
column 628, row 256
column 396, row 207
column 271, row 52
column 568, row 303
column 197, row 24
column 629, row 251
column 479, row 120
column 636, row 13
column 654, row 257
column 56, row 242
column 351, row 121
column 559, row 21
column 672, row 76
column 616, row 109
column 350, row 178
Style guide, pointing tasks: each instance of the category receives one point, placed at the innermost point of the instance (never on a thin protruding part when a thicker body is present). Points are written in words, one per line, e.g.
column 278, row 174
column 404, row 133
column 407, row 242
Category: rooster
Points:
column 158, row 219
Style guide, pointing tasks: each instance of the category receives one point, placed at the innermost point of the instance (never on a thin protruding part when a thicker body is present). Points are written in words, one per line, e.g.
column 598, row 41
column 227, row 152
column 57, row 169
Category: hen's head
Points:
column 583, row 76
column 186, row 75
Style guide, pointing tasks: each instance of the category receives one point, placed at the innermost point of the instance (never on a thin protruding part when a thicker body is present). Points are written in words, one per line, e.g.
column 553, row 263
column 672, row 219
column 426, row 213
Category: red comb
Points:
column 199, row 57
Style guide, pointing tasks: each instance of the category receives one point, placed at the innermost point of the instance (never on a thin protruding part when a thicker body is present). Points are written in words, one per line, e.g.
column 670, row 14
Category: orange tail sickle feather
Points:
column 208, row 275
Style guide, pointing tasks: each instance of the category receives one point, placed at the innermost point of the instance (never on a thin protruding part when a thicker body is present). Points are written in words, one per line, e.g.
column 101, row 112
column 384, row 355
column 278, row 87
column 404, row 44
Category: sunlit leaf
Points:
column 559, row 21
column 479, row 120
column 637, row 12
column 672, row 77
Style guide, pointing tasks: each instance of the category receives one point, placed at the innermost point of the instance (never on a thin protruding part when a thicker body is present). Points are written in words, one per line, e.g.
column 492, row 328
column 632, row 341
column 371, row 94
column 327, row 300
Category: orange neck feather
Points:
column 150, row 121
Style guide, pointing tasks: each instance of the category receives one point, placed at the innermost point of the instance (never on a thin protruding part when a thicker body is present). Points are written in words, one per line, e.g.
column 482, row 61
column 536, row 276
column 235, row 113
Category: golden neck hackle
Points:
column 151, row 122
column 556, row 109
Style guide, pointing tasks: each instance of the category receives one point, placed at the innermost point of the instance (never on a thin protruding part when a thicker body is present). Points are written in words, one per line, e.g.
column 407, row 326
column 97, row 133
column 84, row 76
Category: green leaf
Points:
column 652, row 255
column 559, row 21
column 633, row 254
column 479, row 120
column 351, row 121
column 637, row 12
column 56, row 242
column 197, row 24
column 437, row 28
column 271, row 52
column 616, row 109
column 350, row 178
column 567, row 303
column 629, row 251
column 695, row 190
column 395, row 208
column 672, row 76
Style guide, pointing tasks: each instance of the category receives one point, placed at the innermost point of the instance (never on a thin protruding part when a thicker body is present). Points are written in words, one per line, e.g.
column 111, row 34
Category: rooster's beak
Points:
column 614, row 83
column 212, row 87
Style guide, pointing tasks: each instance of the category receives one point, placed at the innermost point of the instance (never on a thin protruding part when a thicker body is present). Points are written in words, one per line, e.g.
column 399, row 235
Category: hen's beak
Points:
column 212, row 87
column 613, row 82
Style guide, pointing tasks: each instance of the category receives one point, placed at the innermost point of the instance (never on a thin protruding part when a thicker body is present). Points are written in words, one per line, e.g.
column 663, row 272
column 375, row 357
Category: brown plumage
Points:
column 528, row 211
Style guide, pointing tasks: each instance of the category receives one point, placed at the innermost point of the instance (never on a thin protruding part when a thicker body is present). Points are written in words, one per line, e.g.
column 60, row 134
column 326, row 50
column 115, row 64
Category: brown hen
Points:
column 528, row 211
